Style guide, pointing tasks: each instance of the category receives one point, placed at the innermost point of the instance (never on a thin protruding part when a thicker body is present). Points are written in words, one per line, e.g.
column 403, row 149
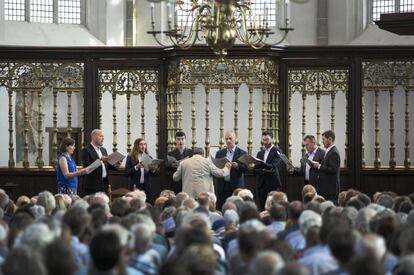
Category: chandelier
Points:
column 219, row 22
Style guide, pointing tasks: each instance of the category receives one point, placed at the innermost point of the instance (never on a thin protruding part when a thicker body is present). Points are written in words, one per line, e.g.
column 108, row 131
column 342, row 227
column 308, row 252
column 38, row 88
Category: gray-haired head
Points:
column 267, row 263
column 351, row 213
column 326, row 205
column 198, row 151
column 308, row 219
column 190, row 203
column 126, row 239
column 143, row 236
column 231, row 218
column 371, row 245
column 192, row 216
column 363, row 219
column 234, row 198
column 38, row 211
column 378, row 208
column 36, row 236
column 47, row 200
column 82, row 204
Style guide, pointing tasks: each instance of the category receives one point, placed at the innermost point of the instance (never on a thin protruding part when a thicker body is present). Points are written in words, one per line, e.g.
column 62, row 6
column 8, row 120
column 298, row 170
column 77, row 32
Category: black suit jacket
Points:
column 271, row 177
column 236, row 174
column 177, row 155
column 328, row 184
column 134, row 176
column 94, row 182
column 313, row 173
column 176, row 186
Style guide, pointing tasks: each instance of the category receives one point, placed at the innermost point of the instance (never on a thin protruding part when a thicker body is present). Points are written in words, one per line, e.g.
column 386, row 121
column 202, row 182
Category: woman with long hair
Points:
column 138, row 176
column 66, row 171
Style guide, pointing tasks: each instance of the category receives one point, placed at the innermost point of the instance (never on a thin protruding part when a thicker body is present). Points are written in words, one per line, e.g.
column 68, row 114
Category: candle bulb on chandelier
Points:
column 287, row 12
column 152, row 12
column 169, row 12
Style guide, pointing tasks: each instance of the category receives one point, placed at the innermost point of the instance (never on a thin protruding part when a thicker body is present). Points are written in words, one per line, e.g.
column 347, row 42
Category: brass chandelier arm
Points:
column 220, row 23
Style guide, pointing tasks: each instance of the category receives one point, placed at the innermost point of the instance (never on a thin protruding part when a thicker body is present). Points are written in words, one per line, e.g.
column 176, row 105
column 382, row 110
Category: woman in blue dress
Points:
column 66, row 171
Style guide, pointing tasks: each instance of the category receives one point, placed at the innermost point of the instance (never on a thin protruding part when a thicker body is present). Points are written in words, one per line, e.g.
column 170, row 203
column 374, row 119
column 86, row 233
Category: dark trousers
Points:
column 262, row 191
column 223, row 193
column 175, row 186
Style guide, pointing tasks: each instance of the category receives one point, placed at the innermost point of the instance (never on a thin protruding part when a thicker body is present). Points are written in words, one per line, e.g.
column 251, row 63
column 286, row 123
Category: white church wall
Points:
column 150, row 105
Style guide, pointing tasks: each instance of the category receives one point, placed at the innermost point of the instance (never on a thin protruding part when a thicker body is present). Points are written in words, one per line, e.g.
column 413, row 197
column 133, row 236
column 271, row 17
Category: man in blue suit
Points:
column 225, row 186
column 267, row 172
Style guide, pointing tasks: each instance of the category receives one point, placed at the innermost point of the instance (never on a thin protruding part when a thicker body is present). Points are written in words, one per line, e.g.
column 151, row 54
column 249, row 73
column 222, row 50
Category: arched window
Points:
column 260, row 8
column 390, row 6
column 44, row 11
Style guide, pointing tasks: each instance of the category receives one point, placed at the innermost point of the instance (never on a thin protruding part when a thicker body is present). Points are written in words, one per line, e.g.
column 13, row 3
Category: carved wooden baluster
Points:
column 363, row 131
column 25, row 132
column 128, row 97
column 250, row 125
column 275, row 115
column 100, row 110
column 179, row 96
column 265, row 99
column 377, row 161
column 193, row 119
column 318, row 118
column 114, row 125
column 269, row 110
column 69, row 113
column 333, row 111
column 82, row 117
column 169, row 119
column 303, row 120
column 143, row 115
column 39, row 161
column 392, row 161
column 236, row 113
column 55, row 129
column 174, row 111
column 346, row 129
column 221, row 142
column 207, row 114
column 157, row 122
column 11, row 163
column 407, row 161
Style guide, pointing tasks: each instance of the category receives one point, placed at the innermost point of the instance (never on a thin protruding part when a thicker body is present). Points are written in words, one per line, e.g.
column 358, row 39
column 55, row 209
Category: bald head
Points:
column 97, row 137
column 230, row 139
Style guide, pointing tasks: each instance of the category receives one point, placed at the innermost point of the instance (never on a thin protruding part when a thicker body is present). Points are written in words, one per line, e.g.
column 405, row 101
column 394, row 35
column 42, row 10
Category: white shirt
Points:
column 98, row 151
column 326, row 152
column 311, row 155
column 328, row 149
column 266, row 154
column 229, row 156
column 142, row 169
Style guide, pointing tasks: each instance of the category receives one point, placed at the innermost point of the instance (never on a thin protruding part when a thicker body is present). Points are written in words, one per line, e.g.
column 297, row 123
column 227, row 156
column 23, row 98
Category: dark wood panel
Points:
column 402, row 184
column 32, row 181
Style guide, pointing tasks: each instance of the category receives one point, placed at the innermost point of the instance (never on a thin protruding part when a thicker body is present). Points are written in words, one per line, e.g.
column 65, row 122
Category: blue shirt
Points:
column 62, row 181
column 143, row 263
column 318, row 260
column 294, row 237
column 229, row 156
column 80, row 251
column 276, row 227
